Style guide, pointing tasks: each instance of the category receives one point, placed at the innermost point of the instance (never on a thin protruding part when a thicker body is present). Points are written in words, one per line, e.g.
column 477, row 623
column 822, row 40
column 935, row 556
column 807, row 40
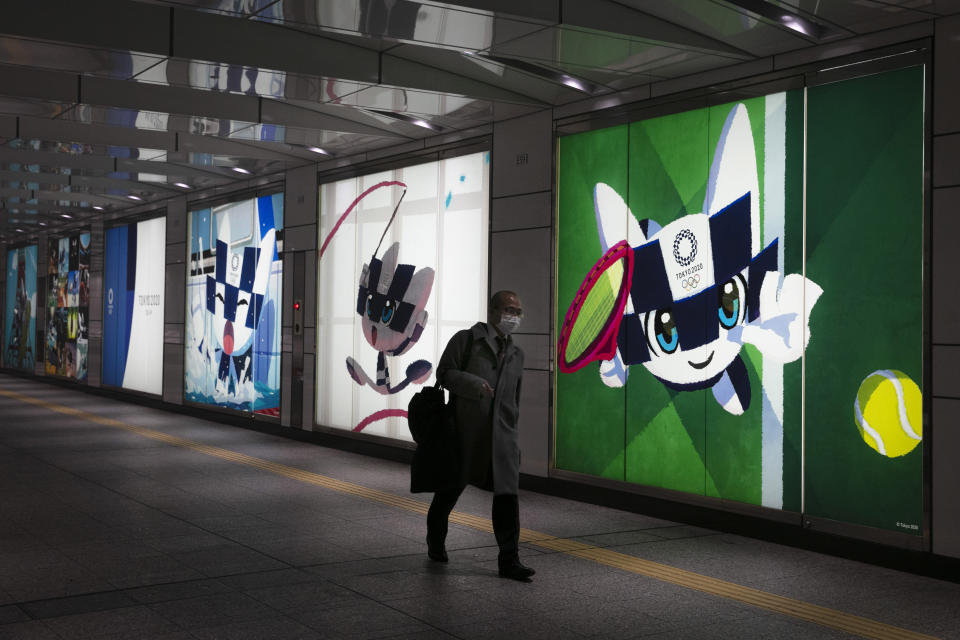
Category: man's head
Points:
column 505, row 311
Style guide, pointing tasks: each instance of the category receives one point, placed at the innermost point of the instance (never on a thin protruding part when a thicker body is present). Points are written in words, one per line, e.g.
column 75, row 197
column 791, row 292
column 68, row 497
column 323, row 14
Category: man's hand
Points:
column 486, row 388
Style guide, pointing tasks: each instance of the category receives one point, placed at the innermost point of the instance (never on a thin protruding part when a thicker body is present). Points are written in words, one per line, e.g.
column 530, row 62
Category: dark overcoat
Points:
column 486, row 427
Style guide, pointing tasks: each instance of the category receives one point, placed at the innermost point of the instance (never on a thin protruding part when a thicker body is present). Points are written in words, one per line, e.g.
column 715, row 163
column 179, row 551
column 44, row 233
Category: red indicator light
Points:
column 296, row 306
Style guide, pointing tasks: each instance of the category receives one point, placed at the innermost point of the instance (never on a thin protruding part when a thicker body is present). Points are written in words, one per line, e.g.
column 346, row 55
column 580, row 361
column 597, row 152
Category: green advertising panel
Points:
column 685, row 309
column 704, row 208
column 595, row 445
column 865, row 244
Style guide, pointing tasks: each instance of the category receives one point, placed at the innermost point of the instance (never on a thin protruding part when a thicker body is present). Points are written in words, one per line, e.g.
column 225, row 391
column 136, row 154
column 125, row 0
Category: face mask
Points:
column 508, row 323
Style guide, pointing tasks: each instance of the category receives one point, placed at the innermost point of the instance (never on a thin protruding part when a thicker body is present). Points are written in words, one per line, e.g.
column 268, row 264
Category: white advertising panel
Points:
column 394, row 284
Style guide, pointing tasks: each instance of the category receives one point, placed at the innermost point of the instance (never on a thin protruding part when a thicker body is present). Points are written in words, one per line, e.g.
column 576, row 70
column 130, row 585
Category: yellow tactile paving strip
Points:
column 787, row 606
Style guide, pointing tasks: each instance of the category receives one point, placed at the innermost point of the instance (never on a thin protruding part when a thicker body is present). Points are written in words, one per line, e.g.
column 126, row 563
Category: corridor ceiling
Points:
column 109, row 105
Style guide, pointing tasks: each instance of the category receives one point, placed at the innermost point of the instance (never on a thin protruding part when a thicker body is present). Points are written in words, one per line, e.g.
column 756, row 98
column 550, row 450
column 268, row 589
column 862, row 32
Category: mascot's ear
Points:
column 615, row 221
column 389, row 268
column 734, row 170
column 421, row 284
column 268, row 245
column 365, row 275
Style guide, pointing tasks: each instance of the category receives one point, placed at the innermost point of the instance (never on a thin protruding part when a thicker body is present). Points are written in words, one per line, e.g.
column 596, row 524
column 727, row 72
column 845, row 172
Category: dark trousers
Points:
column 506, row 520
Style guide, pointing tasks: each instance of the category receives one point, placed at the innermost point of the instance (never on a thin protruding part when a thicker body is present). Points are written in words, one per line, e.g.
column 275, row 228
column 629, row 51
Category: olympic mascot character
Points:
column 234, row 301
column 703, row 286
column 391, row 300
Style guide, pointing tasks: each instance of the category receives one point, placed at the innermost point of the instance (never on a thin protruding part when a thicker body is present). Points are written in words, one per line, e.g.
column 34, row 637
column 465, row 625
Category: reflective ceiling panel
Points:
column 726, row 23
column 590, row 48
column 864, row 16
column 385, row 23
column 73, row 58
column 105, row 100
column 444, row 109
column 458, row 72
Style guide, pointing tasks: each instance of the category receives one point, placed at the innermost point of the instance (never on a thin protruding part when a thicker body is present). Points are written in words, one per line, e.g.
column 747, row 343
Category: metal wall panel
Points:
column 522, row 212
column 946, row 98
column 301, row 193
column 286, row 319
column 523, row 155
column 309, row 297
column 173, row 333
column 286, row 382
column 309, row 366
column 535, row 423
column 94, row 357
column 177, row 220
column 945, row 263
column 946, row 161
column 300, row 238
column 537, row 349
column 946, row 373
column 520, row 261
column 946, row 477
column 173, row 373
column 174, row 293
column 176, row 252
column 944, row 430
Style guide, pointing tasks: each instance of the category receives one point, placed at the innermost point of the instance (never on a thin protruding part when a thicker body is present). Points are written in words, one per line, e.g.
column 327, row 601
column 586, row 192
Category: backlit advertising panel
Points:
column 133, row 306
column 234, row 292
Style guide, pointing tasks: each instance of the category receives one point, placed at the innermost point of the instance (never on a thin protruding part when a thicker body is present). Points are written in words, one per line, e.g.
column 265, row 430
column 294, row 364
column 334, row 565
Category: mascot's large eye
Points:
column 730, row 304
column 665, row 330
column 387, row 314
column 370, row 306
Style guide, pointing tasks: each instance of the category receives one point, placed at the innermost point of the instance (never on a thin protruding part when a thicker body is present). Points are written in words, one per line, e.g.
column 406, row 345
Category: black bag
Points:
column 436, row 461
column 427, row 413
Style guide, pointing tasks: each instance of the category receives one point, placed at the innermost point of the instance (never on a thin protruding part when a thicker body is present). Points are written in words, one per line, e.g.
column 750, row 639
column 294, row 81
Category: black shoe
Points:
column 436, row 552
column 515, row 570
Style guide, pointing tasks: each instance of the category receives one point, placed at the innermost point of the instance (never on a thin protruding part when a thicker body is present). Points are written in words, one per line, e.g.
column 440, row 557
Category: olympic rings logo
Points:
column 691, row 283
column 685, row 234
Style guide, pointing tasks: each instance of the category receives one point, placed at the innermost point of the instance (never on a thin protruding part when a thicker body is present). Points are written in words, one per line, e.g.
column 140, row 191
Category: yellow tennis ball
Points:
column 888, row 412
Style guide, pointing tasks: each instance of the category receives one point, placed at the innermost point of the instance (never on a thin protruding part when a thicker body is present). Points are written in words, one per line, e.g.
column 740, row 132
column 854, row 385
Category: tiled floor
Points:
column 106, row 533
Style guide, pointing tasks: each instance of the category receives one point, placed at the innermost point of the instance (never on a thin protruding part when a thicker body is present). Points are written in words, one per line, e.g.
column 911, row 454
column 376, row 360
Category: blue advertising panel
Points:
column 133, row 306
column 20, row 319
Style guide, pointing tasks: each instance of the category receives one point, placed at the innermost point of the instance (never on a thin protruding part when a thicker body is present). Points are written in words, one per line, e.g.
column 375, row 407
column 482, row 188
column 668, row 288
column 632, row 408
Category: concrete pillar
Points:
column 521, row 259
column 299, row 284
column 174, row 295
column 944, row 439
column 95, row 318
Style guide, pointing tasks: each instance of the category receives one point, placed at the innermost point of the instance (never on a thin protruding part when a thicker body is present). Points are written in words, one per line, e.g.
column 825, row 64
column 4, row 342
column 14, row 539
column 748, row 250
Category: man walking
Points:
column 482, row 368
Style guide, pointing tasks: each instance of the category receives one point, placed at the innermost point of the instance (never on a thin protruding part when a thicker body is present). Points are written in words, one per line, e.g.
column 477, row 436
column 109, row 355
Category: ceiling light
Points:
column 241, row 170
column 546, row 73
column 573, row 83
column 182, row 185
column 98, row 207
column 66, row 215
column 42, row 224
column 318, row 150
column 793, row 20
column 792, row 23
column 406, row 117
column 137, row 198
